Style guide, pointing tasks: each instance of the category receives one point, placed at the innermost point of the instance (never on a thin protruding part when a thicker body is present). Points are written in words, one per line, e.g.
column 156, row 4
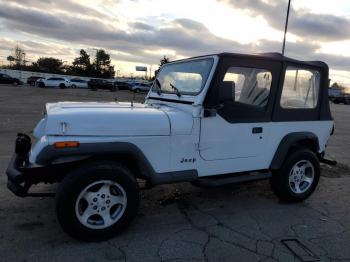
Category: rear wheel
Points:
column 62, row 86
column 97, row 201
column 298, row 176
column 41, row 85
column 73, row 86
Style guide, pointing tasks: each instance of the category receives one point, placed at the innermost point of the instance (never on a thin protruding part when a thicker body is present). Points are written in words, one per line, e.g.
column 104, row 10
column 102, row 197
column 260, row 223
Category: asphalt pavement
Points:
column 178, row 222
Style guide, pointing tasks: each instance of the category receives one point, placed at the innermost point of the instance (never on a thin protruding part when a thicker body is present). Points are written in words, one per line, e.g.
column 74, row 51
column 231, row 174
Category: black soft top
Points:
column 266, row 56
column 277, row 57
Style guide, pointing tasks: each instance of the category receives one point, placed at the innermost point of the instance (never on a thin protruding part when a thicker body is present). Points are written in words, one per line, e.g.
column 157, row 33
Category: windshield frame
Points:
column 155, row 88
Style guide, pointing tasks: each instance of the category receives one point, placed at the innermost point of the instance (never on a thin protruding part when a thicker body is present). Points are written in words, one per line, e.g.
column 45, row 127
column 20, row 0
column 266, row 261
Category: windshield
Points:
column 187, row 77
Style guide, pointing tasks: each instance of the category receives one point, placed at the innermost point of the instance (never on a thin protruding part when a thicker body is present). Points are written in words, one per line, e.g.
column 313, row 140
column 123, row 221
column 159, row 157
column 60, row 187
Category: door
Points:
column 239, row 127
column 50, row 82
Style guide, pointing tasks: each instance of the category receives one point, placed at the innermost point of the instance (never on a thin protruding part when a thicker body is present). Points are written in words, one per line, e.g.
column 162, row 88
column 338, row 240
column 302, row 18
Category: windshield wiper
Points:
column 177, row 92
column 159, row 87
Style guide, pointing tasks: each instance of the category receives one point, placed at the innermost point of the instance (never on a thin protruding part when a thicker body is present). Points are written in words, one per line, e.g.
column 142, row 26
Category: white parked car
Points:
column 140, row 87
column 211, row 120
column 59, row 82
column 78, row 83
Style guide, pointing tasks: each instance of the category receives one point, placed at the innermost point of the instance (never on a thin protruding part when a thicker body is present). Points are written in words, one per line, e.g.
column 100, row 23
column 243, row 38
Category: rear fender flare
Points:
column 293, row 140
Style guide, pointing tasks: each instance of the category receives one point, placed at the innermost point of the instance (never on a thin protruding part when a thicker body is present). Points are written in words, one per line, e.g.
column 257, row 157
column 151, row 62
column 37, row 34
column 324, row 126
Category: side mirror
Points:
column 226, row 91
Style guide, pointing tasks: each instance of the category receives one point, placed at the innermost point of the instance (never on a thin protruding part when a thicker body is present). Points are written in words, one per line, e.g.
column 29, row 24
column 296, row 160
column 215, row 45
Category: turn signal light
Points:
column 66, row 144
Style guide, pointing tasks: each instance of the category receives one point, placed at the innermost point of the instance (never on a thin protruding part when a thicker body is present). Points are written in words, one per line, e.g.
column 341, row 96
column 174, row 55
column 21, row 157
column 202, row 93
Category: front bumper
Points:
column 15, row 178
column 21, row 174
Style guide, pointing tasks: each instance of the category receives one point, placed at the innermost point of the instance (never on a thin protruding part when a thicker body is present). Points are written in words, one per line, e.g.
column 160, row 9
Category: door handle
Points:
column 257, row 130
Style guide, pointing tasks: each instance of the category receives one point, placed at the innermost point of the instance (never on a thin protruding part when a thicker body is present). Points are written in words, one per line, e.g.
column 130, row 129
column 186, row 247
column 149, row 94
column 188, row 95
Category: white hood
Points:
column 113, row 119
column 102, row 119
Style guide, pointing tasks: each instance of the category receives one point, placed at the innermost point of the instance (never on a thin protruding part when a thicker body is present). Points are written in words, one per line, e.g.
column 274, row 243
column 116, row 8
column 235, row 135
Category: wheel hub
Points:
column 101, row 204
column 301, row 176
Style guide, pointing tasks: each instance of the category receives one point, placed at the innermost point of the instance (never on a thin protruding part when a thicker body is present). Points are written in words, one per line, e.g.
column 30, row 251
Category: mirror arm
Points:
column 212, row 111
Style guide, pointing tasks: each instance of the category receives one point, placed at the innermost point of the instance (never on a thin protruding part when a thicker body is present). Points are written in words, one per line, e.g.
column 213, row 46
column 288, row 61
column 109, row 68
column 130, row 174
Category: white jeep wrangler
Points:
column 209, row 120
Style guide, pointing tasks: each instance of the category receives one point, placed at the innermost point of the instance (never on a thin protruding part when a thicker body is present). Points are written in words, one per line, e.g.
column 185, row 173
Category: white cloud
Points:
column 141, row 32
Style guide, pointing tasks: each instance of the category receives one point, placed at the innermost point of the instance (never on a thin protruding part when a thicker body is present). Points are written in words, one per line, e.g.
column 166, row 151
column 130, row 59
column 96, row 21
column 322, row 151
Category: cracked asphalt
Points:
column 178, row 222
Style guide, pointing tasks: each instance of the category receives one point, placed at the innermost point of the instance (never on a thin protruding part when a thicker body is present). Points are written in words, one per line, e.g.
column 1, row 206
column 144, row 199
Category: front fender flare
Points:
column 51, row 155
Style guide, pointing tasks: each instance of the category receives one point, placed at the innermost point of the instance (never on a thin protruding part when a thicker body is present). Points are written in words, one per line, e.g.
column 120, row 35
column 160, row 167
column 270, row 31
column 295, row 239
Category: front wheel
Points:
column 97, row 201
column 298, row 176
column 62, row 86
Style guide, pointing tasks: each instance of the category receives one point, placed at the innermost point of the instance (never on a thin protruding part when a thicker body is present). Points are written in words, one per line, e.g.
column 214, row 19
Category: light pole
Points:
column 286, row 28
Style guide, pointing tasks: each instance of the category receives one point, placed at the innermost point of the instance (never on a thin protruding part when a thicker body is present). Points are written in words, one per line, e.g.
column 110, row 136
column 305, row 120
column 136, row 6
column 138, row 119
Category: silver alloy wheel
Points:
column 101, row 204
column 301, row 176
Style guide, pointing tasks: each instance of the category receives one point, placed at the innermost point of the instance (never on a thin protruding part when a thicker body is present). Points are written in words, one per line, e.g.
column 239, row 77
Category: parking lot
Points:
column 178, row 222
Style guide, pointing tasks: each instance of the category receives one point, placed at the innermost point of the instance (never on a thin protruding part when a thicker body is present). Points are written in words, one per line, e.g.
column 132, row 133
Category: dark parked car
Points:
column 95, row 84
column 6, row 79
column 122, row 85
column 32, row 80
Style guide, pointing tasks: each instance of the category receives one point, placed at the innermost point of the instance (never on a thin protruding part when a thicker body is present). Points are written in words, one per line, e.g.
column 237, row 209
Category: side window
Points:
column 250, row 86
column 300, row 88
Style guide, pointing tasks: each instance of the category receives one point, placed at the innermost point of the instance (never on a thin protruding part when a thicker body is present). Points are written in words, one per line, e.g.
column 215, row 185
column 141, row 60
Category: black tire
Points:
column 62, row 86
column 73, row 86
column 76, row 181
column 280, row 179
column 347, row 101
column 336, row 101
column 41, row 85
column 137, row 90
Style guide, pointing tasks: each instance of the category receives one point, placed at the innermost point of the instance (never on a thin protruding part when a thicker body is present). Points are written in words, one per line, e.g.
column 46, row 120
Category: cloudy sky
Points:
column 140, row 32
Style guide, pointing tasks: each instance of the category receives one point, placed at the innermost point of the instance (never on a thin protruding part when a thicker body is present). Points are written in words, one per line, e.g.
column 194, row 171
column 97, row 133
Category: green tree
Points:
column 336, row 85
column 102, row 65
column 163, row 61
column 19, row 56
column 49, row 65
column 17, row 59
column 82, row 65
column 11, row 59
